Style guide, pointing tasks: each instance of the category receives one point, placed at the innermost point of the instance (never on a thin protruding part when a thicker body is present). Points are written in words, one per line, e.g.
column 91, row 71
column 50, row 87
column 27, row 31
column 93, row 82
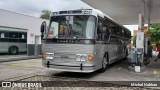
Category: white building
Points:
column 11, row 20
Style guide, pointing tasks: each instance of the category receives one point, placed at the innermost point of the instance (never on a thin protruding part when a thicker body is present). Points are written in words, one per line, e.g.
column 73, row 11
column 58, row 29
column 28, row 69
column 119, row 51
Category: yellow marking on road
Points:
column 155, row 72
column 19, row 65
column 23, row 65
column 16, row 65
column 144, row 72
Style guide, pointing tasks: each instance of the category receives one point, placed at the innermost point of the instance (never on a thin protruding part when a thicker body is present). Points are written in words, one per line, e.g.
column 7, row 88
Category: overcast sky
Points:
column 34, row 7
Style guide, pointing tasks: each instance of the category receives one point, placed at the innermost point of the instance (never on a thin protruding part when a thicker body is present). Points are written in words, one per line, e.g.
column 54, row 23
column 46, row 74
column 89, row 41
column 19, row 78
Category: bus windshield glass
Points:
column 72, row 27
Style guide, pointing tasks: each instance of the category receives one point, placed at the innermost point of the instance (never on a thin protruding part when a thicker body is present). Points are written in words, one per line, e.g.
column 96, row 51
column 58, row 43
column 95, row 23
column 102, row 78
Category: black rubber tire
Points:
column 104, row 64
column 13, row 50
column 126, row 54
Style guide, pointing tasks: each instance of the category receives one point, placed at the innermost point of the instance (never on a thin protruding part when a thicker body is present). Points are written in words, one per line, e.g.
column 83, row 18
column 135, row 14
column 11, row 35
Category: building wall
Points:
column 32, row 24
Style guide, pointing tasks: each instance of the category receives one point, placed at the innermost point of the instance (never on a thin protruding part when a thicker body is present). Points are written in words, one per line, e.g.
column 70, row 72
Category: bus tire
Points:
column 126, row 54
column 13, row 50
column 104, row 63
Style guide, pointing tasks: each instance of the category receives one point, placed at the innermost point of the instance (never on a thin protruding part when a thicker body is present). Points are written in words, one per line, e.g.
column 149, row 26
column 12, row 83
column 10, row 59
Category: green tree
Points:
column 155, row 30
column 156, row 26
column 45, row 14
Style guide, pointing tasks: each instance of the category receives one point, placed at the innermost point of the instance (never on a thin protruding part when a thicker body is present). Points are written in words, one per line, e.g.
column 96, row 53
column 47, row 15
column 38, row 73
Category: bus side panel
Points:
column 111, row 52
column 22, row 47
column 107, row 50
column 99, row 49
column 13, row 44
column 4, row 47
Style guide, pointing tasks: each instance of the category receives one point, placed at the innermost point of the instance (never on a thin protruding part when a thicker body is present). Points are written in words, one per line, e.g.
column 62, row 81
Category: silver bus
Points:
column 82, row 41
column 13, row 41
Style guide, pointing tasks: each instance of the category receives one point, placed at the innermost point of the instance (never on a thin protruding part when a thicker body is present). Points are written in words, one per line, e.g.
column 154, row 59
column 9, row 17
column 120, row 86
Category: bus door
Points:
column 99, row 46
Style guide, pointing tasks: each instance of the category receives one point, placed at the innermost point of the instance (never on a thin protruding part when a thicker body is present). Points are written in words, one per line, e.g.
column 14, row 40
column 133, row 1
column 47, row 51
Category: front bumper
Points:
column 69, row 68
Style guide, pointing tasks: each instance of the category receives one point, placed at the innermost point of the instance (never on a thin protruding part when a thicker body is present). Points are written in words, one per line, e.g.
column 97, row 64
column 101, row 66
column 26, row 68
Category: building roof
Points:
column 126, row 11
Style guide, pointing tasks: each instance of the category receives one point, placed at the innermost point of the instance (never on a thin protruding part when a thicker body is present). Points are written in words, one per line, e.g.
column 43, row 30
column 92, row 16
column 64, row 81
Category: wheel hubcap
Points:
column 14, row 50
column 104, row 63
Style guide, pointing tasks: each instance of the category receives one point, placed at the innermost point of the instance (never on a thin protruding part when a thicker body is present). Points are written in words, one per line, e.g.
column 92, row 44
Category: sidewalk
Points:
column 17, row 58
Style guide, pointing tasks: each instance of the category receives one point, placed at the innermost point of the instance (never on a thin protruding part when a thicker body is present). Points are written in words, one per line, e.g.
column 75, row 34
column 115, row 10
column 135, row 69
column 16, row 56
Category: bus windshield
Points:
column 72, row 27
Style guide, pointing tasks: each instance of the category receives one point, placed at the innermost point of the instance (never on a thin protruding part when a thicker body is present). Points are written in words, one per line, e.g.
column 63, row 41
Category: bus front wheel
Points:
column 13, row 50
column 104, row 64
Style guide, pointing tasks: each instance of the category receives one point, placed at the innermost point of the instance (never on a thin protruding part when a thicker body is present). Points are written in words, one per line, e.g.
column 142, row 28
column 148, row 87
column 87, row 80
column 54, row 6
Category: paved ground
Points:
column 33, row 70
column 6, row 56
column 120, row 71
column 19, row 57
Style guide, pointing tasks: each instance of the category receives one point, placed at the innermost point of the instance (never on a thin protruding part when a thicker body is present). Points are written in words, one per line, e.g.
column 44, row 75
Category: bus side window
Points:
column 13, row 34
column 102, row 31
column 106, row 34
column 2, row 35
column 111, row 28
column 99, row 31
column 22, row 36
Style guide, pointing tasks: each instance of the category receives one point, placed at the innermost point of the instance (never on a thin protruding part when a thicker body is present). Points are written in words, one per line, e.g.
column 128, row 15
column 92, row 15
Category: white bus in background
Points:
column 83, row 41
column 13, row 41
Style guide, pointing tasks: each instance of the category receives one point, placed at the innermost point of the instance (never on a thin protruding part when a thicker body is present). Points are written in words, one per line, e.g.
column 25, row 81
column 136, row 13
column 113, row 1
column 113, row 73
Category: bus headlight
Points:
column 50, row 56
column 81, row 57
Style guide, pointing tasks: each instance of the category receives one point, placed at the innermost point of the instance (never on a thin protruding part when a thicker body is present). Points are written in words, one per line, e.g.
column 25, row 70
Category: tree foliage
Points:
column 156, row 26
column 45, row 14
column 155, row 30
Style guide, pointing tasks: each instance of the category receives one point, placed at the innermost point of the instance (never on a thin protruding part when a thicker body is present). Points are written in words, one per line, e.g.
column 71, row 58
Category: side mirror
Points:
column 43, row 29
